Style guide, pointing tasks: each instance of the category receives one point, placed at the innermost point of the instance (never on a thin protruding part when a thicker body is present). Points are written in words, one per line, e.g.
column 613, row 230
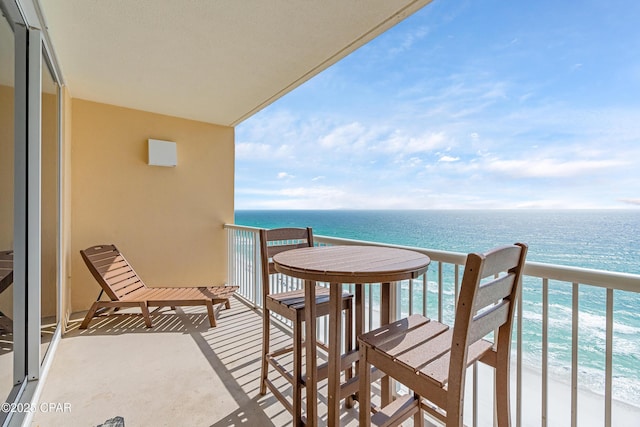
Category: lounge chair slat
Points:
column 164, row 294
column 126, row 282
column 132, row 293
column 111, row 265
column 218, row 291
column 118, row 284
column 126, row 289
column 105, row 259
column 114, row 273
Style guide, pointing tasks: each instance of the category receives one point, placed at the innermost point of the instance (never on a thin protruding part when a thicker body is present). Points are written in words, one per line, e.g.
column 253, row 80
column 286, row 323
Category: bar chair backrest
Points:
column 272, row 242
column 487, row 302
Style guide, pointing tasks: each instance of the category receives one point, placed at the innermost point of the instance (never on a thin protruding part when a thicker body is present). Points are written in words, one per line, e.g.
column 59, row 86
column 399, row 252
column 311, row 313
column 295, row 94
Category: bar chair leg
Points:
column 364, row 394
column 348, row 339
column 264, row 371
column 418, row 417
column 502, row 390
column 297, row 373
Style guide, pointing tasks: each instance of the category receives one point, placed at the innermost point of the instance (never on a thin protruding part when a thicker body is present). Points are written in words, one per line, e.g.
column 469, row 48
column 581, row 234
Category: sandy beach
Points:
column 590, row 404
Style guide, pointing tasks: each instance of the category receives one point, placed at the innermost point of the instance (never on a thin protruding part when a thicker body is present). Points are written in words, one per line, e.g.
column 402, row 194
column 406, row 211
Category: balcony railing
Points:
column 573, row 361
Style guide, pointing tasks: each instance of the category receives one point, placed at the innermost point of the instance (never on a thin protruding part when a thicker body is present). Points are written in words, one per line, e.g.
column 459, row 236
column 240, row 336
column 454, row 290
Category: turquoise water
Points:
column 596, row 239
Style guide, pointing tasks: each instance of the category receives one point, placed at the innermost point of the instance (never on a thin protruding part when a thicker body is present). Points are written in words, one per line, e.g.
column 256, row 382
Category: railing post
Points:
column 257, row 268
column 574, row 353
column 519, row 363
column 545, row 352
column 608, row 377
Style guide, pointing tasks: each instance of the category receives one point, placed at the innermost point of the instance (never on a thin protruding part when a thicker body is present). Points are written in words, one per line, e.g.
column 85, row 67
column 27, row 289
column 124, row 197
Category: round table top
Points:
column 352, row 264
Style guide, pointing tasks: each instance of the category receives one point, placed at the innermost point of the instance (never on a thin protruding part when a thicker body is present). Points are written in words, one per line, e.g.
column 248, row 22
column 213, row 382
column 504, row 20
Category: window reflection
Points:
column 7, row 84
column 50, row 199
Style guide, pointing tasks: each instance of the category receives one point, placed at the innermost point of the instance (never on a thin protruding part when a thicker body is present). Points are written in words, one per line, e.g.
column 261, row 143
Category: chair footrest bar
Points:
column 346, row 360
column 396, row 412
column 281, row 351
column 433, row 410
column 281, row 369
column 281, row 398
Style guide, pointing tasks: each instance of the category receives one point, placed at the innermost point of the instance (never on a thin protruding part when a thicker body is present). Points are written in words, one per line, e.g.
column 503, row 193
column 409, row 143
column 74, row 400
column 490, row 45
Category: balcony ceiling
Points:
column 214, row 61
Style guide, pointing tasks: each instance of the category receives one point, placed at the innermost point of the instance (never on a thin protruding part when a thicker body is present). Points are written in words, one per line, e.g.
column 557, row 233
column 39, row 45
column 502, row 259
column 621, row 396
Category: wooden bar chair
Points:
column 431, row 359
column 291, row 306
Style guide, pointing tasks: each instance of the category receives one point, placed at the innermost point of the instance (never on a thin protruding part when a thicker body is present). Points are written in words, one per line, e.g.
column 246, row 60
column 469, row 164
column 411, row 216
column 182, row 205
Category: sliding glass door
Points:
column 29, row 203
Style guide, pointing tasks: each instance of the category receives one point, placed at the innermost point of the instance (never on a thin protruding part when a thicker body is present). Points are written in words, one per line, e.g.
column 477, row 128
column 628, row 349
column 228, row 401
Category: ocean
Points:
column 595, row 239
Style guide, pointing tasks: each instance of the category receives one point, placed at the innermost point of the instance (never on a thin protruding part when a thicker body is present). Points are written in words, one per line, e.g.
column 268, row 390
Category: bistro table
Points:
column 338, row 265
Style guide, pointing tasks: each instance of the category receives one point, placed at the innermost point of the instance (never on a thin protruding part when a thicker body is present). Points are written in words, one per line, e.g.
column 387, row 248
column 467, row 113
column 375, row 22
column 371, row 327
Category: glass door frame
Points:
column 21, row 57
column 33, row 51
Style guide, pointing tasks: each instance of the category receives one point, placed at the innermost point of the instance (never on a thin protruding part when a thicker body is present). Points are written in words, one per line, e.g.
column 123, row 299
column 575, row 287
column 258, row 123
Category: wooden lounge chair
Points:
column 6, row 279
column 6, row 270
column 126, row 289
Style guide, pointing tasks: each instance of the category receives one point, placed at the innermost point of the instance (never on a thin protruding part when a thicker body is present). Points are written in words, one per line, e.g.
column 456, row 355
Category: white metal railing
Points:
column 551, row 295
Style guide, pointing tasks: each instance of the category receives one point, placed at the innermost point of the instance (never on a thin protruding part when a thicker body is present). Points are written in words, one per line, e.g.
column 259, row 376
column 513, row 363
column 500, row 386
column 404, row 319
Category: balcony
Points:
column 183, row 373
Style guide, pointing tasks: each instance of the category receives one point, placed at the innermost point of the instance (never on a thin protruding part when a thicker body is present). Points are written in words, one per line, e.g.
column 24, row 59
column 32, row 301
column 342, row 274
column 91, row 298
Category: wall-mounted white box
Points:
column 162, row 153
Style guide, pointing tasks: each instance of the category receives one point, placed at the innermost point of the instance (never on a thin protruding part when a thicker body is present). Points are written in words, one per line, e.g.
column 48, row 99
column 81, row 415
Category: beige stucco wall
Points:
column 167, row 221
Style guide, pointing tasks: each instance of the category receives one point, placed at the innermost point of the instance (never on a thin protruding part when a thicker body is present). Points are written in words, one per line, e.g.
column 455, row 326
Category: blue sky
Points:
column 464, row 105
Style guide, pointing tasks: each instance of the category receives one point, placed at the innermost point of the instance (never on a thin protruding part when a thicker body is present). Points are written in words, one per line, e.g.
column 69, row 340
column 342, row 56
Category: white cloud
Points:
column 285, row 175
column 248, row 150
column 402, row 143
column 414, row 162
column 343, row 136
column 496, row 90
column 554, row 204
column 309, row 191
column 448, row 159
column 317, row 197
column 409, row 40
column 259, row 151
column 549, row 168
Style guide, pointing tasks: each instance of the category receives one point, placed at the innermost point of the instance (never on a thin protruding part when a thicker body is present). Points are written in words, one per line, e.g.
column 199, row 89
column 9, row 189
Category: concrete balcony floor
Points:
column 181, row 372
